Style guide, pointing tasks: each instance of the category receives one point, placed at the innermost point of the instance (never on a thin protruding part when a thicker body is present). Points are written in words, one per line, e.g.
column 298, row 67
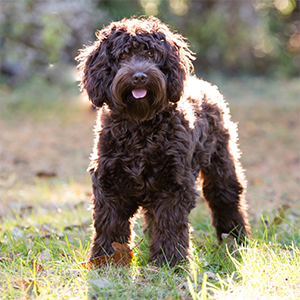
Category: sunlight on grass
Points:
column 262, row 272
column 41, row 251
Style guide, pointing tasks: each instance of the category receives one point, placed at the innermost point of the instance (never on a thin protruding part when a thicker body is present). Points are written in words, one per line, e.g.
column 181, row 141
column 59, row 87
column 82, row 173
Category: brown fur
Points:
column 149, row 152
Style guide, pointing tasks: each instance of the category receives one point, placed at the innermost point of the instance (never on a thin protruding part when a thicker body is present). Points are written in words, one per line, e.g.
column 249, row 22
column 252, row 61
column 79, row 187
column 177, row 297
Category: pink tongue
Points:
column 137, row 94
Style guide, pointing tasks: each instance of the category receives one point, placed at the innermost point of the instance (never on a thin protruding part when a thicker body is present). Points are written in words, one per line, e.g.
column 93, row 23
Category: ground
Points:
column 45, row 226
column 59, row 140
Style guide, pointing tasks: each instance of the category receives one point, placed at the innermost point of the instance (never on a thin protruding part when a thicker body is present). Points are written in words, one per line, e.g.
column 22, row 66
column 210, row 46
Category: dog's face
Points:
column 136, row 66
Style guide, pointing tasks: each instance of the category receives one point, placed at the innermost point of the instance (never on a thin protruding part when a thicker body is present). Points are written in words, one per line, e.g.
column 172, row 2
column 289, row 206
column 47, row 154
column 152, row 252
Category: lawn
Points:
column 45, row 222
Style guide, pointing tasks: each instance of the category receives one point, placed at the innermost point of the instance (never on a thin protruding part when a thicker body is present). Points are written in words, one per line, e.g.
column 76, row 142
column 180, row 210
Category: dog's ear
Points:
column 94, row 70
column 178, row 65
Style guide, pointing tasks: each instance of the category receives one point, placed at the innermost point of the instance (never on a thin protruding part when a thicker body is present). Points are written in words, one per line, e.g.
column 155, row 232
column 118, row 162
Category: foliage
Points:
column 36, row 34
column 232, row 37
column 278, row 43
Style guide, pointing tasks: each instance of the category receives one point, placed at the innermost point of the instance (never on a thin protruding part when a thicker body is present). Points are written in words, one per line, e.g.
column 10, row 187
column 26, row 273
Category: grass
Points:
column 45, row 221
column 263, row 271
column 55, row 237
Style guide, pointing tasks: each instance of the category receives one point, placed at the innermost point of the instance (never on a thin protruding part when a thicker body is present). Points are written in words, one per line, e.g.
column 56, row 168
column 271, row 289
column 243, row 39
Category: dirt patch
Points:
column 269, row 139
column 53, row 145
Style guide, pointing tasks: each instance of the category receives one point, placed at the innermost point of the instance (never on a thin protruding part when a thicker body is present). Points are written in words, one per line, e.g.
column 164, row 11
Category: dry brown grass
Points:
column 59, row 139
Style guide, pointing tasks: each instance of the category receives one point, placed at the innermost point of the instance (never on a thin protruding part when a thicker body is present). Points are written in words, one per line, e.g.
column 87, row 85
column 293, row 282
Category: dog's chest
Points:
column 143, row 161
column 139, row 155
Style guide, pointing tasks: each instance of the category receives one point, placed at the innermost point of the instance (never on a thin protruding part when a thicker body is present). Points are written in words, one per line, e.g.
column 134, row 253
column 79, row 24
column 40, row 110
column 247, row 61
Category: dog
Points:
column 158, row 129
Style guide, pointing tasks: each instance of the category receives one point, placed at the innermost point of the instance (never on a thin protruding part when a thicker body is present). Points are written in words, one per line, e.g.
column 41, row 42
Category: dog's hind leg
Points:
column 223, row 178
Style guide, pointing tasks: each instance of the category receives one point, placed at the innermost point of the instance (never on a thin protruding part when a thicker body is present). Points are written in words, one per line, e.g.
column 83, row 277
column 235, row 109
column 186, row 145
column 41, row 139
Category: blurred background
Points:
column 250, row 49
column 259, row 37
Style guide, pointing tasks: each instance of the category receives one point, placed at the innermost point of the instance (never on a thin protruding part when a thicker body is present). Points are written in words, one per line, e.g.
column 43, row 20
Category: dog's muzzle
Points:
column 139, row 89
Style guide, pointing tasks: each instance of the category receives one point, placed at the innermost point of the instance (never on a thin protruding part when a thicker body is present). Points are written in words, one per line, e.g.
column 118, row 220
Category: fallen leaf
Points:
column 122, row 257
column 281, row 211
column 45, row 174
column 45, row 235
column 12, row 255
column 286, row 206
column 25, row 227
column 31, row 236
column 19, row 160
column 27, row 285
column 4, row 259
column 37, row 267
column 123, row 254
column 277, row 220
column 26, row 209
column 44, row 229
column 72, row 226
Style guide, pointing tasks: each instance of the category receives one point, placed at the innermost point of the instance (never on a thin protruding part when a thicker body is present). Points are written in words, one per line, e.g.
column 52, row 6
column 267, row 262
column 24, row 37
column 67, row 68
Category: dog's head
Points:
column 136, row 66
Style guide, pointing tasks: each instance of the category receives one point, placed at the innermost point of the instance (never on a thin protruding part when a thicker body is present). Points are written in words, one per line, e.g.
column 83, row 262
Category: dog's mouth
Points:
column 139, row 94
column 136, row 95
column 139, row 100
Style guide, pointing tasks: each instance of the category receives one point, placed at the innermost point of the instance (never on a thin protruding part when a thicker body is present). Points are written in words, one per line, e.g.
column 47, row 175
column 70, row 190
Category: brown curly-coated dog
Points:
column 159, row 128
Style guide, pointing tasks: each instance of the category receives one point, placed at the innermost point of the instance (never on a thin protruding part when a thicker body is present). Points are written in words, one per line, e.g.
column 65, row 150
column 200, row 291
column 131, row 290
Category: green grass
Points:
column 55, row 233
column 45, row 224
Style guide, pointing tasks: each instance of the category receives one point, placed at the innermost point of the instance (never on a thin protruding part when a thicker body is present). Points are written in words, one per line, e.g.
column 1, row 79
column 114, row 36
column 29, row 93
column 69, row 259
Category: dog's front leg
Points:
column 170, row 232
column 112, row 221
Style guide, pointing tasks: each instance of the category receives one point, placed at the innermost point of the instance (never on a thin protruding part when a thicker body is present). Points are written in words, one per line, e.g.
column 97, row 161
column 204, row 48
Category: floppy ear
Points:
column 94, row 70
column 178, row 65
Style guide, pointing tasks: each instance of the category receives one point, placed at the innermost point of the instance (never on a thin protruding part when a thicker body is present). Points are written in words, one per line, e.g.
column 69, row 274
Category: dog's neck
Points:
column 131, row 124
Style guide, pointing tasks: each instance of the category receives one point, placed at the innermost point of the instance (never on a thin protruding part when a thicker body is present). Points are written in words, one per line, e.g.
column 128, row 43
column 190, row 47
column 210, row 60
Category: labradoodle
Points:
column 158, row 129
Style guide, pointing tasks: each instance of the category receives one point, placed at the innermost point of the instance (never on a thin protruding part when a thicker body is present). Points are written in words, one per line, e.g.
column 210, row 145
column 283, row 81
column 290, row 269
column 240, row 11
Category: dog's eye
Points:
column 150, row 53
column 123, row 55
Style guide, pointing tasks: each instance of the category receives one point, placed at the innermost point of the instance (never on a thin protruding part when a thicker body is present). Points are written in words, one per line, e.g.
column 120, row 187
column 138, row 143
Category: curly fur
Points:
column 150, row 150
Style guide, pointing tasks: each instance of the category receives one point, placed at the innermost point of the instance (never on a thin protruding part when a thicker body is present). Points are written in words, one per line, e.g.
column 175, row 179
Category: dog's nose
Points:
column 139, row 78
